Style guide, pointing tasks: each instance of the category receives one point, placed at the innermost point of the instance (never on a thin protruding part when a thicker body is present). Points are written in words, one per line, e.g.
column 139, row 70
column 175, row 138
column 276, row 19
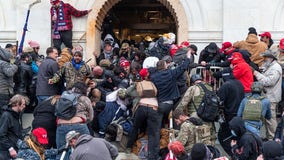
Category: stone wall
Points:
column 204, row 21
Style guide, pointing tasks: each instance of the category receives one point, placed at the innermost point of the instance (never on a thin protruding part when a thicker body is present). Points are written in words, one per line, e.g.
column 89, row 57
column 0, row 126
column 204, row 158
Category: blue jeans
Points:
column 63, row 129
column 253, row 127
column 41, row 98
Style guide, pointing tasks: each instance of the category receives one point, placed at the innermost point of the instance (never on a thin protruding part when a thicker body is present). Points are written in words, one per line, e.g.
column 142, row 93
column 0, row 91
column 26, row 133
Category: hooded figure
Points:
column 160, row 49
column 241, row 71
column 253, row 45
column 245, row 145
column 272, row 151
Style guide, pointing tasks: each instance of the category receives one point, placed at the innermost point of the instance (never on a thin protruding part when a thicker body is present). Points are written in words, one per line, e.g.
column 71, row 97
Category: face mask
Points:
column 233, row 133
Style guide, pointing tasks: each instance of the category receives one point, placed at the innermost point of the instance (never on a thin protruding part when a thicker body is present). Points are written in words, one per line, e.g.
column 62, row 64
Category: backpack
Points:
column 253, row 108
column 208, row 109
column 65, row 108
column 146, row 89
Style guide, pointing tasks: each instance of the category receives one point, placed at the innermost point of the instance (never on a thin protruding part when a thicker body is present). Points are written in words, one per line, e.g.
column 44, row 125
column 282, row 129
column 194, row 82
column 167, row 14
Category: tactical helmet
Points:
column 256, row 87
column 195, row 77
column 121, row 93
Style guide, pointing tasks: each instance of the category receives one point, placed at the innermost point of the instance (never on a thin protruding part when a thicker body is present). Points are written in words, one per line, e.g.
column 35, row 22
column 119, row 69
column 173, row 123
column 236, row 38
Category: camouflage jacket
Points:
column 191, row 134
column 71, row 75
column 194, row 94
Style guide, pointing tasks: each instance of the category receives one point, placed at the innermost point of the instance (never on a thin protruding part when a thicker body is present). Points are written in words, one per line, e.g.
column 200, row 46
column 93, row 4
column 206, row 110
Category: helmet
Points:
column 121, row 93
column 195, row 77
column 256, row 87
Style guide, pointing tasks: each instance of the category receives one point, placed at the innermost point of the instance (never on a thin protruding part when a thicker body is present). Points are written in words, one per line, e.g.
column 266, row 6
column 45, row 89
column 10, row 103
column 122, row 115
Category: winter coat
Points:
column 71, row 75
column 159, row 50
column 7, row 71
column 47, row 69
column 242, row 71
column 209, row 57
column 248, row 146
column 10, row 129
column 64, row 57
column 271, row 79
column 231, row 94
column 25, row 152
column 44, row 117
column 88, row 147
column 166, row 82
column 254, row 46
column 23, row 79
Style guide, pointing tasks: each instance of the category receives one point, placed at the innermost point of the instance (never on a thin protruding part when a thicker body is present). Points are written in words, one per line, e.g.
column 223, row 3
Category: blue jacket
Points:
column 26, row 152
column 166, row 81
column 266, row 112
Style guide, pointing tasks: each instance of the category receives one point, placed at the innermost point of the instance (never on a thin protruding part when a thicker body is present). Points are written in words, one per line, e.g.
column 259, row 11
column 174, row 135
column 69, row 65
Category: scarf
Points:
column 37, row 149
column 60, row 24
column 77, row 65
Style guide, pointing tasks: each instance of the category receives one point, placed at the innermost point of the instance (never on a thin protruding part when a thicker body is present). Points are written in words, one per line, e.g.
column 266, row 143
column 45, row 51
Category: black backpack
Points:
column 208, row 109
column 65, row 108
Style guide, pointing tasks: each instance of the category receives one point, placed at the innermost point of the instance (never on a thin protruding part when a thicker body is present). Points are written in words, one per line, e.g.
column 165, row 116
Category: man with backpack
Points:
column 73, row 110
column 196, row 103
column 254, row 108
column 192, row 130
column 145, row 109
column 245, row 145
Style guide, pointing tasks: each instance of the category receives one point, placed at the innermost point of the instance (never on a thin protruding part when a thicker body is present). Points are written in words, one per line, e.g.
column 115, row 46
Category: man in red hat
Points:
column 62, row 23
column 267, row 39
column 280, row 53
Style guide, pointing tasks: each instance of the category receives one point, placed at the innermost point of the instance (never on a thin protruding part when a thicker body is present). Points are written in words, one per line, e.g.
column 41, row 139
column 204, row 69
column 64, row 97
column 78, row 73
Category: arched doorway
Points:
column 101, row 9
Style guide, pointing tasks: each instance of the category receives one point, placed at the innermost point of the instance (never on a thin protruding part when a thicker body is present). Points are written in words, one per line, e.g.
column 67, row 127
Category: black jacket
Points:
column 248, row 145
column 23, row 79
column 166, row 81
column 10, row 129
column 46, row 71
column 44, row 117
column 231, row 94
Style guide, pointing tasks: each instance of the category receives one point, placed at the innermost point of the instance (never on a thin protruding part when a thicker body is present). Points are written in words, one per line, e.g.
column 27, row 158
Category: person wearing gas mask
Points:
column 271, row 79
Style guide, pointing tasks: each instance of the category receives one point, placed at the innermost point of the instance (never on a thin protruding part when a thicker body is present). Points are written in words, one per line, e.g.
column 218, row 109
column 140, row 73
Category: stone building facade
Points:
column 199, row 21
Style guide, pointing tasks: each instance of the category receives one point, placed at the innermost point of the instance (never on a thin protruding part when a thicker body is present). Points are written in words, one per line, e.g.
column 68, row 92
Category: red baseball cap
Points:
column 184, row 44
column 173, row 50
column 281, row 45
column 226, row 45
column 41, row 135
column 144, row 73
column 124, row 63
column 267, row 34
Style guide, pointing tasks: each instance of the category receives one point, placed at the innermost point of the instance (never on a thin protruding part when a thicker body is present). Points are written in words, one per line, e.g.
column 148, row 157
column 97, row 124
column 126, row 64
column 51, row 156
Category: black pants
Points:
column 66, row 38
column 225, row 132
column 153, row 120
column 4, row 155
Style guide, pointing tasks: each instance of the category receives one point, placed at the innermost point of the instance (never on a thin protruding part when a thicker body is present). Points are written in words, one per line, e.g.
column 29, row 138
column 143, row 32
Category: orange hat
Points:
column 41, row 135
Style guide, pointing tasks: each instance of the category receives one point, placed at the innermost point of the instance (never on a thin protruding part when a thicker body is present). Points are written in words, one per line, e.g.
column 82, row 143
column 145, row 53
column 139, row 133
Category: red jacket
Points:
column 68, row 11
column 242, row 71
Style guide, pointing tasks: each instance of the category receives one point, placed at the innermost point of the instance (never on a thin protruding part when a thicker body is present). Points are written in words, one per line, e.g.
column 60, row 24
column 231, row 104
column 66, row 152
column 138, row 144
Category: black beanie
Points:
column 252, row 30
column 198, row 152
column 271, row 149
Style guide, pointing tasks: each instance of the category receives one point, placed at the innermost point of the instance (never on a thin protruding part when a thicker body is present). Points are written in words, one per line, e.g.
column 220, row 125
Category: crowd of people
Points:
column 150, row 97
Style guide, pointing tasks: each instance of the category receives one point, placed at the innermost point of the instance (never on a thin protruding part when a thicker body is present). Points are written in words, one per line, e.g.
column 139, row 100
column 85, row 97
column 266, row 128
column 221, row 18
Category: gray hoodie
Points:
column 90, row 148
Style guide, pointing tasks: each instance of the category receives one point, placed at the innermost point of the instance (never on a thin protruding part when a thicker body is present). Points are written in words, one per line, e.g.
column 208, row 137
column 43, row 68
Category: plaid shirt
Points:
column 68, row 11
